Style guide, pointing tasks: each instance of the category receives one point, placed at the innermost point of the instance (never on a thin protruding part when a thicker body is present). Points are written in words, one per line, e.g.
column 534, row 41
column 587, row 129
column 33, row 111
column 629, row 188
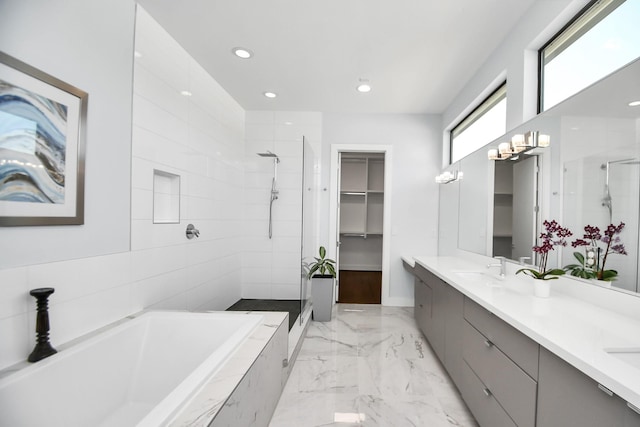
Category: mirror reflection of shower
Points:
column 607, row 200
column 274, row 191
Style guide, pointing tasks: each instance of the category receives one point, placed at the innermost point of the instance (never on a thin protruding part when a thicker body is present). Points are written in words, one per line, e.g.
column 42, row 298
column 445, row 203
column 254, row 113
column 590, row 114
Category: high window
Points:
column 602, row 38
column 485, row 123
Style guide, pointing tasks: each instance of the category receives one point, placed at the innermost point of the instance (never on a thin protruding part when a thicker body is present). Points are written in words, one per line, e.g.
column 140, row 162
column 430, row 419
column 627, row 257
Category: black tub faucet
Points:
column 43, row 348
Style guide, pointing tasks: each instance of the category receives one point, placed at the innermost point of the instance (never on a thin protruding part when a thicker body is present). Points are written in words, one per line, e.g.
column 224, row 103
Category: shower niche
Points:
column 166, row 197
column 361, row 220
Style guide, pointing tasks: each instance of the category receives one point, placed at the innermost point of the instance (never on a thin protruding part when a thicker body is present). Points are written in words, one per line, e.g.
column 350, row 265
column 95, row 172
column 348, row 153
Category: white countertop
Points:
column 575, row 329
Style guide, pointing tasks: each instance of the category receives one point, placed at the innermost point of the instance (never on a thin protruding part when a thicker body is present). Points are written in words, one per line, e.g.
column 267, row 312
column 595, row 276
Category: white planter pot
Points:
column 322, row 297
column 541, row 288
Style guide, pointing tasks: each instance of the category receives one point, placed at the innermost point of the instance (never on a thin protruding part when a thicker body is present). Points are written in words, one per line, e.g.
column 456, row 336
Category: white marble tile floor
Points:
column 369, row 366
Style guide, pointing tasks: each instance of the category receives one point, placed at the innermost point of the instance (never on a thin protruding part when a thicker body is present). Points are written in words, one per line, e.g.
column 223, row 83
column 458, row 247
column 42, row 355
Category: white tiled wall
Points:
column 271, row 268
column 200, row 138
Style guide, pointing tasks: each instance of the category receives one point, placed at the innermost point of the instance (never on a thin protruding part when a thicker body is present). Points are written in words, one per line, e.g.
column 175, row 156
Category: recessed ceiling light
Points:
column 241, row 52
column 270, row 94
column 185, row 93
column 363, row 88
column 634, row 103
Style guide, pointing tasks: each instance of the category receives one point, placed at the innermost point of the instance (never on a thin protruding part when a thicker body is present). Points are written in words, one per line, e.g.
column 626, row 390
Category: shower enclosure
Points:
column 599, row 191
column 309, row 235
column 300, row 175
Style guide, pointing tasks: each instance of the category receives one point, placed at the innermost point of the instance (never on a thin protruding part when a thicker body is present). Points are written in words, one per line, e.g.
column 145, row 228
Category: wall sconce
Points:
column 448, row 176
column 519, row 144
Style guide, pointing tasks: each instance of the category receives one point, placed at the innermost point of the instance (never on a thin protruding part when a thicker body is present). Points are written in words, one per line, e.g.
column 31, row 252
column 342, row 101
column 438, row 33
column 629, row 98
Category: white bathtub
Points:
column 138, row 373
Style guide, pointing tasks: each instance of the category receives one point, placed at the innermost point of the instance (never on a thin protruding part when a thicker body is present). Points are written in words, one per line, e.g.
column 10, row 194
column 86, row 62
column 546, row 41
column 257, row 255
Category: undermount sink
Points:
column 630, row 356
column 478, row 276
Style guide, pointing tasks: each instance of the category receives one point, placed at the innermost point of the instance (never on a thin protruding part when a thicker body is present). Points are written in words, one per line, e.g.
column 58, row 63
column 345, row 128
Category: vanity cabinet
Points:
column 505, row 378
column 453, row 329
column 430, row 309
column 569, row 398
column 438, row 313
column 501, row 368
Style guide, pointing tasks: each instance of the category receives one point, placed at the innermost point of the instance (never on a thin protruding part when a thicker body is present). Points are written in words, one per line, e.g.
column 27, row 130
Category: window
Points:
column 486, row 123
column 602, row 38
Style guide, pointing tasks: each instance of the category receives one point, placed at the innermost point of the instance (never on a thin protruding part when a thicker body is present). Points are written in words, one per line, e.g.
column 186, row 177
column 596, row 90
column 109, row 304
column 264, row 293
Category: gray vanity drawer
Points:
column 518, row 347
column 514, row 390
column 423, row 274
column 481, row 402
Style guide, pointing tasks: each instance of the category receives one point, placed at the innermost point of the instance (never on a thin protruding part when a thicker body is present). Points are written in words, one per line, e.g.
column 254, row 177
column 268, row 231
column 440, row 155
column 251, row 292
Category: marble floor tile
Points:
column 369, row 366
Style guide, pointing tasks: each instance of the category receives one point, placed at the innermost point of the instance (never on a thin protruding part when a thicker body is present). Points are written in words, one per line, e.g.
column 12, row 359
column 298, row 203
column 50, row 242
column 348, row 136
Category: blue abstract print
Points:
column 32, row 147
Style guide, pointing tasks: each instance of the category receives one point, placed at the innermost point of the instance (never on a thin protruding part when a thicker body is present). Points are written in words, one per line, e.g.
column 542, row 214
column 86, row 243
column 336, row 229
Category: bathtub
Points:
column 138, row 373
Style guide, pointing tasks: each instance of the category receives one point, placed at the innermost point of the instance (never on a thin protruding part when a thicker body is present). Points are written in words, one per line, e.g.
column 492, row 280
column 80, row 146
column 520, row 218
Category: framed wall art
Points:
column 42, row 147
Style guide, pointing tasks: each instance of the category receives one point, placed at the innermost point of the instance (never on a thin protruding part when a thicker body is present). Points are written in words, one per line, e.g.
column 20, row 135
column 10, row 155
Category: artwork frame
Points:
column 42, row 147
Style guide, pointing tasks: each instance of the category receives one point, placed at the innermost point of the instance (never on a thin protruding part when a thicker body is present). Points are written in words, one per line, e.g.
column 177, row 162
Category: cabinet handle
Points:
column 605, row 390
column 634, row 408
column 486, row 392
column 488, row 343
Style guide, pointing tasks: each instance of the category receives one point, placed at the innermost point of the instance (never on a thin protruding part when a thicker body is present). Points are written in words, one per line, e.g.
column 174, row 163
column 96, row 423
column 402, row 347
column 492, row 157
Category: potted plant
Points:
column 592, row 264
column 554, row 235
column 322, row 273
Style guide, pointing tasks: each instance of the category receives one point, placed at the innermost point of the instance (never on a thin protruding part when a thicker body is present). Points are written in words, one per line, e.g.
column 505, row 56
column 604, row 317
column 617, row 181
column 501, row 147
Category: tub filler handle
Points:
column 192, row 232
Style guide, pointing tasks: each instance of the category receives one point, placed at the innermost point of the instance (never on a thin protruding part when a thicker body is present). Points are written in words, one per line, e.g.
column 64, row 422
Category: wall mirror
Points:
column 500, row 201
column 590, row 175
column 515, row 207
column 474, row 198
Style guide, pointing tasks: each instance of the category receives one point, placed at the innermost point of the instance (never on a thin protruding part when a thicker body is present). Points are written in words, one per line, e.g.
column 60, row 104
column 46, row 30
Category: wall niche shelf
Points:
column 166, row 197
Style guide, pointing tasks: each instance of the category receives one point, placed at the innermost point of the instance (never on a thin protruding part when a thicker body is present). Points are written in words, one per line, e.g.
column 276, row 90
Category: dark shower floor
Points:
column 292, row 306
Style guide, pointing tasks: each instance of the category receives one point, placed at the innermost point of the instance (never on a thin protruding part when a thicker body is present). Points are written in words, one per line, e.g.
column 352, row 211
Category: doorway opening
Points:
column 361, row 221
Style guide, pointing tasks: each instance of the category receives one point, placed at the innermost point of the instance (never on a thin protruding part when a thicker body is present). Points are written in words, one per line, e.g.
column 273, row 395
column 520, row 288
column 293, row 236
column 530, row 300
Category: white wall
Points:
column 271, row 267
column 414, row 199
column 515, row 60
column 200, row 138
column 75, row 42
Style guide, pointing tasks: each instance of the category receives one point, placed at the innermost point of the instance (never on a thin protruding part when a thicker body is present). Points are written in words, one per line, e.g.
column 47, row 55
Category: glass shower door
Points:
column 309, row 221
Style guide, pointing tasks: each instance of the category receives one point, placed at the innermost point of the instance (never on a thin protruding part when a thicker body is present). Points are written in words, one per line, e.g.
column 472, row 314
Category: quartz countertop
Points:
column 576, row 329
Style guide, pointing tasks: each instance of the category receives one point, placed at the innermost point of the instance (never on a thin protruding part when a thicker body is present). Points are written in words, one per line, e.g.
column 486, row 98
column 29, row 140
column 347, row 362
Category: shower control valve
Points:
column 192, row 232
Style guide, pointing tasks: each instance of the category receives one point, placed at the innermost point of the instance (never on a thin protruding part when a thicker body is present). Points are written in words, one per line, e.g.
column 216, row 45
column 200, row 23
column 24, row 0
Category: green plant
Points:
column 581, row 270
column 323, row 266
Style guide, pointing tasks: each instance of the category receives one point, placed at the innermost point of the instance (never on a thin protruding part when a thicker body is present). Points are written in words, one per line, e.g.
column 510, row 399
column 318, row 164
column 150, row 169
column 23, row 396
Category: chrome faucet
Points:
column 522, row 259
column 502, row 265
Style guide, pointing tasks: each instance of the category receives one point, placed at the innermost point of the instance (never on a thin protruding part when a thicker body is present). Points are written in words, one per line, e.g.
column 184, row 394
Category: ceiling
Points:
column 416, row 54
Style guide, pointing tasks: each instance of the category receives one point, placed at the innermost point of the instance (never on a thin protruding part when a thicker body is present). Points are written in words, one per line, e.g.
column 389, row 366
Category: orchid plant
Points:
column 589, row 266
column 554, row 235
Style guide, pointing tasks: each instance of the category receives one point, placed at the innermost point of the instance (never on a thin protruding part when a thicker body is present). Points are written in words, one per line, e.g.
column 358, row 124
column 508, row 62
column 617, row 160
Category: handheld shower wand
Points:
column 274, row 192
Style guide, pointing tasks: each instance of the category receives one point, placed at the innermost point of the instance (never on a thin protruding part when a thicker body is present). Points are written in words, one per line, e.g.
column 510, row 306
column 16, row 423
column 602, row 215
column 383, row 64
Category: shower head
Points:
column 269, row 154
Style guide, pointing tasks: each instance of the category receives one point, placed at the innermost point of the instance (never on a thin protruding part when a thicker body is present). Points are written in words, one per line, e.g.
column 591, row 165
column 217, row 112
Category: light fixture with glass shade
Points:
column 519, row 144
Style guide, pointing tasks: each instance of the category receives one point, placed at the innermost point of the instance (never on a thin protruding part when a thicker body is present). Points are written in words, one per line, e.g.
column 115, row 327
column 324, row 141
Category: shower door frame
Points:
column 334, row 194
